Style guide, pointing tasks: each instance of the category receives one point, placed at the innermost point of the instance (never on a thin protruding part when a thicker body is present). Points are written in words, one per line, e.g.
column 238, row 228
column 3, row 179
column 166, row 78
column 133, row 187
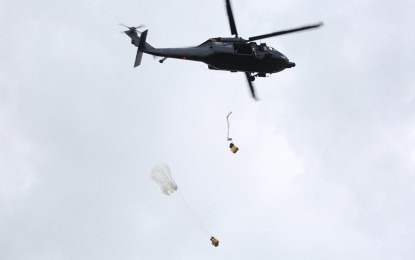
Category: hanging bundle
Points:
column 162, row 176
column 215, row 242
column 233, row 147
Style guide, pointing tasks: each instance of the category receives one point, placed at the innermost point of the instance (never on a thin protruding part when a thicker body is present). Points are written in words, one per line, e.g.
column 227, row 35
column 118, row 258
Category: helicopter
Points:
column 233, row 54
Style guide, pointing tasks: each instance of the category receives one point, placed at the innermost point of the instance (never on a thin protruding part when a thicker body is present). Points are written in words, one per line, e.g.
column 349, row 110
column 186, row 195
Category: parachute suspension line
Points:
column 194, row 217
column 227, row 120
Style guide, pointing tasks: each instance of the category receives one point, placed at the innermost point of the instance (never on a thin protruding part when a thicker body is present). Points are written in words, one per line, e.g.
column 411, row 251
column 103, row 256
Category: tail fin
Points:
column 142, row 42
column 142, row 46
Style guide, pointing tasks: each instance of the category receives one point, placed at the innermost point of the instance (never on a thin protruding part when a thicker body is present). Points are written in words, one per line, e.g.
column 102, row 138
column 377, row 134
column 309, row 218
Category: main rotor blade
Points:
column 231, row 19
column 251, row 86
column 254, row 38
column 123, row 25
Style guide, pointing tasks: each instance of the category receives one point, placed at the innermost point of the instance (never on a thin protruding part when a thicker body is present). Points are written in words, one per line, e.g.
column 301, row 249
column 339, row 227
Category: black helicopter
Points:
column 231, row 54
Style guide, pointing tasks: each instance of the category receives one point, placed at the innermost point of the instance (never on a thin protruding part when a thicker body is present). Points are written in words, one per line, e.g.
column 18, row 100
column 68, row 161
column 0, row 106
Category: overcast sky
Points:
column 326, row 167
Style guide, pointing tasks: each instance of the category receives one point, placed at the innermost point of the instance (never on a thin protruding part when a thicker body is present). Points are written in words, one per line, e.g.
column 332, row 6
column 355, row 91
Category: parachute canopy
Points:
column 161, row 175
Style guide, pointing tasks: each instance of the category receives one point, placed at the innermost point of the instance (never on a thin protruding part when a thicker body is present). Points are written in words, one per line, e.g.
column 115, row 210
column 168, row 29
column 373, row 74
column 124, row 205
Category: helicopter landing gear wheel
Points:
column 162, row 60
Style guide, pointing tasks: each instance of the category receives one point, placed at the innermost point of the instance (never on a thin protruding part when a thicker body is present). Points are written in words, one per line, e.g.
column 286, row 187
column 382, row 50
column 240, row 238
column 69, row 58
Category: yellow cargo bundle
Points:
column 215, row 242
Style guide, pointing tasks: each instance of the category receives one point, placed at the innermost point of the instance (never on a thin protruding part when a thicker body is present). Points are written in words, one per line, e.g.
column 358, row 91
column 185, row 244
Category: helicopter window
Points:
column 262, row 48
column 282, row 55
column 223, row 44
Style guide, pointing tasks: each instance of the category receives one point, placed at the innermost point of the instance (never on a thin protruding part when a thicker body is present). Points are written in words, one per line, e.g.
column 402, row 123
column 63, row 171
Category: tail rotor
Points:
column 133, row 28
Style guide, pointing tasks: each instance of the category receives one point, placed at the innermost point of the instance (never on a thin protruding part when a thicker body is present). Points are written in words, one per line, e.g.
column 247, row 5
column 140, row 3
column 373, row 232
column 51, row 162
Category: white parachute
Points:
column 162, row 176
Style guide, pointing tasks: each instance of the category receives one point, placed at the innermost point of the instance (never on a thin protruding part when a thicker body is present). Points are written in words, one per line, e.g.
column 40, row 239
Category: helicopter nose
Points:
column 290, row 64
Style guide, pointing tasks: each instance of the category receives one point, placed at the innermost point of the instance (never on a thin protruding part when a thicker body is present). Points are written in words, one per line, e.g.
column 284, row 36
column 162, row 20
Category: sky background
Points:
column 326, row 167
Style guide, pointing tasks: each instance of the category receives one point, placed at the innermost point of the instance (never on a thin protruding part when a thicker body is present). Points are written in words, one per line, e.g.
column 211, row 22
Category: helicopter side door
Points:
column 249, row 49
column 242, row 48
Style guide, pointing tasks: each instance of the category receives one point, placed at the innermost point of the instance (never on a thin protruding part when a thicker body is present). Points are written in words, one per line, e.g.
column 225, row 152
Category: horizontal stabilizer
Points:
column 138, row 58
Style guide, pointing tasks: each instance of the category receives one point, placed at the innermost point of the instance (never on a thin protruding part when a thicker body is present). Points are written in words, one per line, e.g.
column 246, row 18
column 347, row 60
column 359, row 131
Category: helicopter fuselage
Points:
column 229, row 54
